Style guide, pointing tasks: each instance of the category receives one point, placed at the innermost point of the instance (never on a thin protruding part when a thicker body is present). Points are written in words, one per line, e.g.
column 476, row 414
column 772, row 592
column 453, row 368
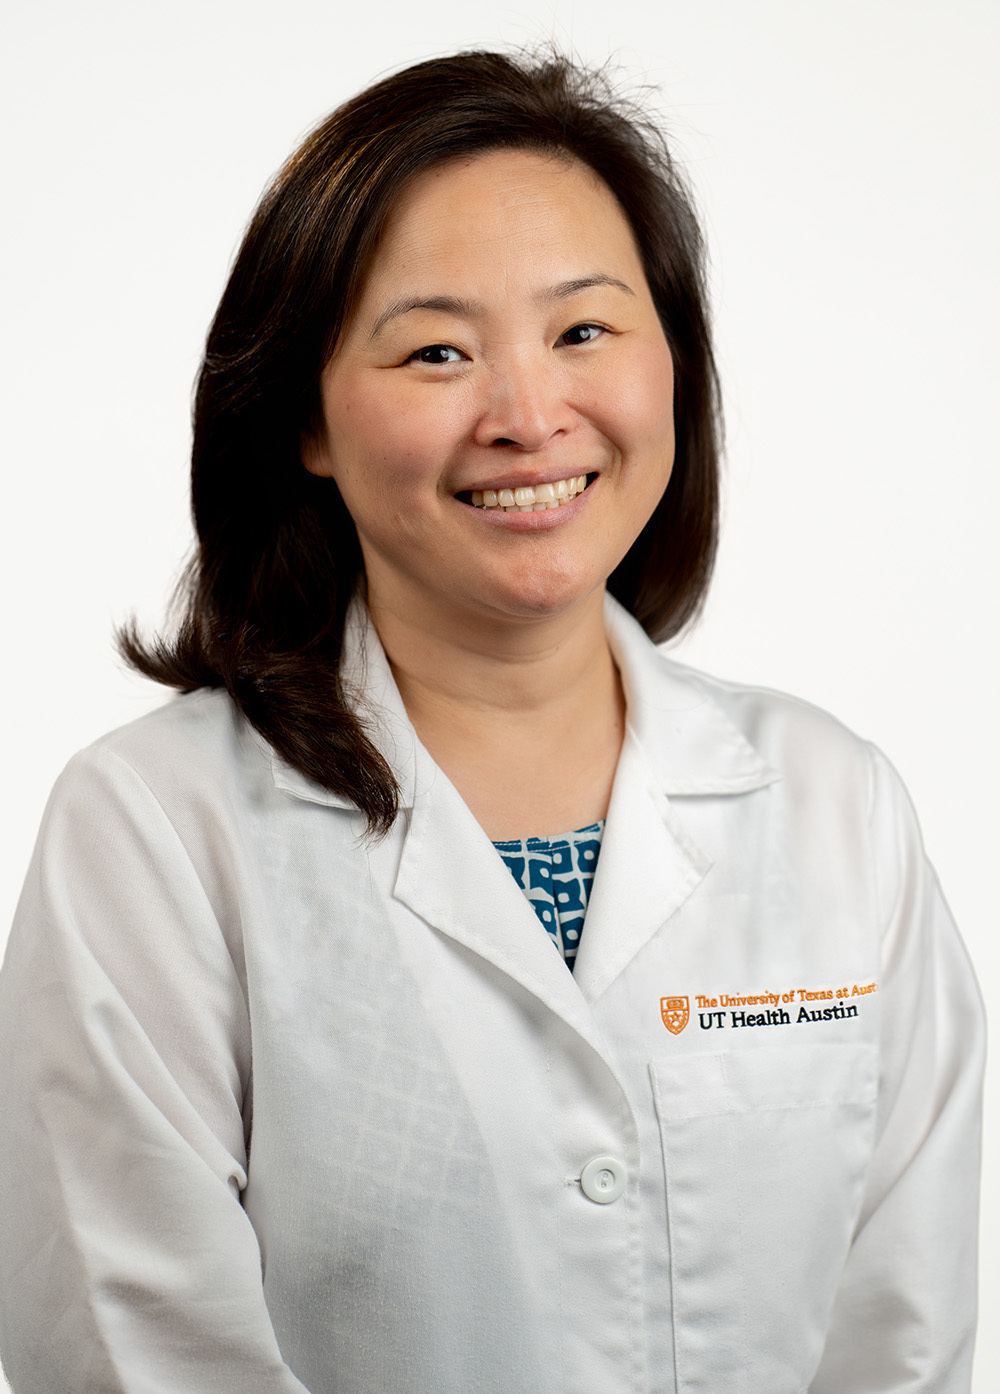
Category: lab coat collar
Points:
column 691, row 745
column 371, row 689
column 679, row 743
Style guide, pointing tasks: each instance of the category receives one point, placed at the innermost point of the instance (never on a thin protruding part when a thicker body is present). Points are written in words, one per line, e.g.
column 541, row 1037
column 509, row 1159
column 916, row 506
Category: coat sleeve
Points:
column 127, row 1262
column 905, row 1313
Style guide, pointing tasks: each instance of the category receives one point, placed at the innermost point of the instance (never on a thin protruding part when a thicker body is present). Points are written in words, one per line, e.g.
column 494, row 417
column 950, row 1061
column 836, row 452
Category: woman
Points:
column 304, row 1088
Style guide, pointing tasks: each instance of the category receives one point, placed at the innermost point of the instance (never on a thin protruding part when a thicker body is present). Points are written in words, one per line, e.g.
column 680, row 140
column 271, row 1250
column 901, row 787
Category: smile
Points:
column 530, row 498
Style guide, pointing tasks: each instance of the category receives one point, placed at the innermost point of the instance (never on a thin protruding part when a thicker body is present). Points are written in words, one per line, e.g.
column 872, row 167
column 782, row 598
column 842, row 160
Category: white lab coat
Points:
column 282, row 1111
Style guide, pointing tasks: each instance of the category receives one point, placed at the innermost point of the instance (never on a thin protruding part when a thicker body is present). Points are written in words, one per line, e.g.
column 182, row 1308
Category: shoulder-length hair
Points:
column 278, row 560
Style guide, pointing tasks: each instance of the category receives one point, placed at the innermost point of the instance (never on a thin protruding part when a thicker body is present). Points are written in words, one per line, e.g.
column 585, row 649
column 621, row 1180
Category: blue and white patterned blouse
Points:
column 556, row 874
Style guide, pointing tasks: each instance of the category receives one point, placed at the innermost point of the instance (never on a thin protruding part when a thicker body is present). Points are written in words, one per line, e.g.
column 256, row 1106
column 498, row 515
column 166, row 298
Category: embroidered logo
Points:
column 770, row 1008
column 676, row 1013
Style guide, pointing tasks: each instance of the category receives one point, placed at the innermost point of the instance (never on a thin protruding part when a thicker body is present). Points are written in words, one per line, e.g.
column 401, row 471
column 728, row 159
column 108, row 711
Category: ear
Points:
column 314, row 452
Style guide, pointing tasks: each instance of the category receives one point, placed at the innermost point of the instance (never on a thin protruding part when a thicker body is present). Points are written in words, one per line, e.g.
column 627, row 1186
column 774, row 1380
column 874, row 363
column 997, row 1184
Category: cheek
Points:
column 386, row 438
column 644, row 407
column 653, row 396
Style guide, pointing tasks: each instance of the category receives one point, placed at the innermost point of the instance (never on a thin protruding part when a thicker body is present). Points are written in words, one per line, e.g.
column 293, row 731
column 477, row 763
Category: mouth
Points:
column 528, row 498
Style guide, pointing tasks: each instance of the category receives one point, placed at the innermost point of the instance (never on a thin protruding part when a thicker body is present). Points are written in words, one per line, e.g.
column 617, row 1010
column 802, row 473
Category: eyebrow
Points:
column 567, row 288
column 472, row 309
column 449, row 304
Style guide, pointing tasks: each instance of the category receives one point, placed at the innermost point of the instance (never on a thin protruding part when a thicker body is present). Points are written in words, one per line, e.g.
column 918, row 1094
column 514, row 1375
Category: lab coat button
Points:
column 603, row 1179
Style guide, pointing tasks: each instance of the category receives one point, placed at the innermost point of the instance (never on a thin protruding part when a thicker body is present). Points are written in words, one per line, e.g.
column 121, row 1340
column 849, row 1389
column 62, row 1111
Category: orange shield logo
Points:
column 676, row 1013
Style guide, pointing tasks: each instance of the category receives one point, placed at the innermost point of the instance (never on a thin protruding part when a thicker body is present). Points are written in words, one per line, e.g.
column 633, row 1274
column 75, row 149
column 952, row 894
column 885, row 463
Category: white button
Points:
column 603, row 1179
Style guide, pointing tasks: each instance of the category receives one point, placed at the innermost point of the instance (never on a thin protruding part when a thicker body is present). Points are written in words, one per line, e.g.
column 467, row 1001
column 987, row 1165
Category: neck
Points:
column 525, row 717
column 507, row 669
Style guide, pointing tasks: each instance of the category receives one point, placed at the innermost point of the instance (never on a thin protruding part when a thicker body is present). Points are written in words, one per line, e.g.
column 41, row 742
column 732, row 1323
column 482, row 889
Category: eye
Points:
column 582, row 334
column 436, row 353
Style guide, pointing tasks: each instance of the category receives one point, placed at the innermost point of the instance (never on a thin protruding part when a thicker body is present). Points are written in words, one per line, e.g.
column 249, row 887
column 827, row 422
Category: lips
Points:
column 528, row 498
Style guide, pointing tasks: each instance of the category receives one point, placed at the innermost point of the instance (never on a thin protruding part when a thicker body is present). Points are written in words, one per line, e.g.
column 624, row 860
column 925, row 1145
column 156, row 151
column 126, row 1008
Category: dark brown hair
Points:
column 278, row 560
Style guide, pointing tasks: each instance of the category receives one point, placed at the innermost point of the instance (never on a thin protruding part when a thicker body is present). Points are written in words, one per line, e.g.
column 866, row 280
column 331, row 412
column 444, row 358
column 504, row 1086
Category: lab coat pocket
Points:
column 765, row 1151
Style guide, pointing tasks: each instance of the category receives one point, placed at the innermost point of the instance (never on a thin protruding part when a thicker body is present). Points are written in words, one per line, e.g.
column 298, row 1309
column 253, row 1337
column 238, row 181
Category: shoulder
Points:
column 830, row 800
column 788, row 731
column 830, row 781
column 193, row 748
column 163, row 809
column 709, row 735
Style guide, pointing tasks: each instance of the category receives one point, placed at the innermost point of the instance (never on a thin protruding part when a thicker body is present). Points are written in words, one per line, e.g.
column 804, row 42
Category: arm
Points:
column 905, row 1313
column 126, row 1260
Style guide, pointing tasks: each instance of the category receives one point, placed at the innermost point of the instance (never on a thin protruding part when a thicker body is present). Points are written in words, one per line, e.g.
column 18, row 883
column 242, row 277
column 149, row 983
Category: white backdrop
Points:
column 845, row 157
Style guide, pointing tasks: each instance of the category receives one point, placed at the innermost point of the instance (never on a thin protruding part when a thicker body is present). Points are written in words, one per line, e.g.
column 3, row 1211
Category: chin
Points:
column 539, row 599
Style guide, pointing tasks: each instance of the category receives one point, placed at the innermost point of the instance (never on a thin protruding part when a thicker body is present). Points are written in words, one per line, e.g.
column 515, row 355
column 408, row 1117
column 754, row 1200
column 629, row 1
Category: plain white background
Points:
column 845, row 159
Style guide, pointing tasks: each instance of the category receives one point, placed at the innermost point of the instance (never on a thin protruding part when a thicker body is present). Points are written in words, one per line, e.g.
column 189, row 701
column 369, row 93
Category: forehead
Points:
column 502, row 213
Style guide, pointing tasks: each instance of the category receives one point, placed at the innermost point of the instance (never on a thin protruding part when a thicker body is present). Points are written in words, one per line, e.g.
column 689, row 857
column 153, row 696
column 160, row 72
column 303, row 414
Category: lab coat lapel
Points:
column 449, row 872
column 647, row 869
column 679, row 744
column 452, row 877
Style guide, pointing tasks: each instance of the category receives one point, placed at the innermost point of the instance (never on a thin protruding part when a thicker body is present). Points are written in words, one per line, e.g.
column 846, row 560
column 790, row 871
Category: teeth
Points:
column 531, row 498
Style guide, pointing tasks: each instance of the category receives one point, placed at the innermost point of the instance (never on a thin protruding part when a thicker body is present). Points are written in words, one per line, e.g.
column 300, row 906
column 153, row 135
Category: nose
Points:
column 526, row 404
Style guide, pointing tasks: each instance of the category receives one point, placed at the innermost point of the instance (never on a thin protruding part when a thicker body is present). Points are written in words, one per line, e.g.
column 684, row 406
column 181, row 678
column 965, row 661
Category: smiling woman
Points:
column 373, row 1017
column 545, row 370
